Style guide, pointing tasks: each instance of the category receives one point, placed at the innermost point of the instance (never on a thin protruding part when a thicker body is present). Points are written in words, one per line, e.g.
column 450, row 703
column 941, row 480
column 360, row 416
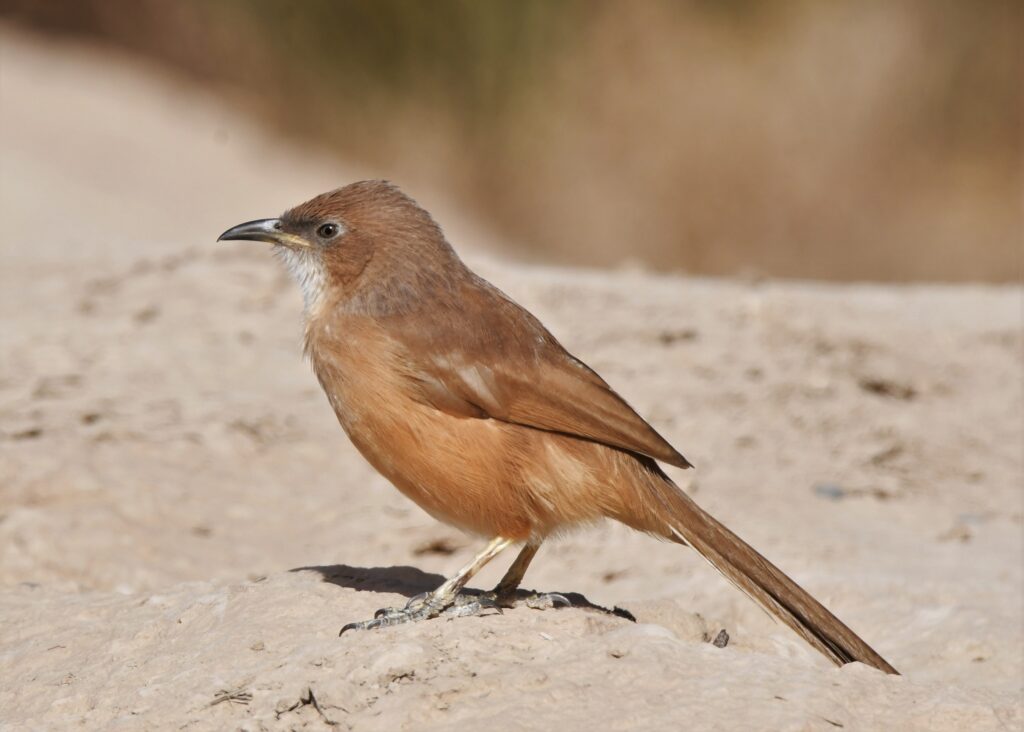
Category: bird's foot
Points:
column 468, row 605
column 534, row 600
column 425, row 606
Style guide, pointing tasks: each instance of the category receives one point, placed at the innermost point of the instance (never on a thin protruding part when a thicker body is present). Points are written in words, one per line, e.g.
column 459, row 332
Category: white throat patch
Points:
column 308, row 270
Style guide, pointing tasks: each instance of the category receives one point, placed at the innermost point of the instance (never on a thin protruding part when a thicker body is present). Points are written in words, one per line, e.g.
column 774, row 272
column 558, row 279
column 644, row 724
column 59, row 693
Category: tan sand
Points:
column 167, row 461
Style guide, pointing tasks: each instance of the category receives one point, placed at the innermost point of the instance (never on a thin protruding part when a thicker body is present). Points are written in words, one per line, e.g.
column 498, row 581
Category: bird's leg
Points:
column 430, row 605
column 505, row 592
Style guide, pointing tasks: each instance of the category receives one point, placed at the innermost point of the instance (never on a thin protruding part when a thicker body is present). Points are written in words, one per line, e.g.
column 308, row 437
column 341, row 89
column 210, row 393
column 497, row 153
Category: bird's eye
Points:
column 326, row 231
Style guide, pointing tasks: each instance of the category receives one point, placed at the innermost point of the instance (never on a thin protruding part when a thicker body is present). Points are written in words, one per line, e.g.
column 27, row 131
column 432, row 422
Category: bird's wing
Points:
column 489, row 358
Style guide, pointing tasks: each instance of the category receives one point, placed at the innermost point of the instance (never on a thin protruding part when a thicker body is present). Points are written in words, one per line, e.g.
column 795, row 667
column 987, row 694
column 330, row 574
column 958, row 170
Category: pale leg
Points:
column 433, row 604
column 505, row 593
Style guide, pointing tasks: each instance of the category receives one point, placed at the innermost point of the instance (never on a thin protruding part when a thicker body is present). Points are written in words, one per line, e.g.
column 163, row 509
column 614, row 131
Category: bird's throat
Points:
column 308, row 270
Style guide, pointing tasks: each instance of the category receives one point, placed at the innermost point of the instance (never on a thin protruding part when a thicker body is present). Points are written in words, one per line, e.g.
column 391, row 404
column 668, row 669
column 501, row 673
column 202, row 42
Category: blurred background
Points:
column 853, row 140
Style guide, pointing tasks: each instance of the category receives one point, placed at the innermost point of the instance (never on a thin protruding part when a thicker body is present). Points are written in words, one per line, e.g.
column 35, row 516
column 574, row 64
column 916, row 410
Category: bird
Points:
column 470, row 407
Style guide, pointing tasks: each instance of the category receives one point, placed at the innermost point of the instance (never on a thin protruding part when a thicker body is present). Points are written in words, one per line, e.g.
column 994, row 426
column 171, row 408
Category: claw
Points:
column 417, row 600
column 548, row 601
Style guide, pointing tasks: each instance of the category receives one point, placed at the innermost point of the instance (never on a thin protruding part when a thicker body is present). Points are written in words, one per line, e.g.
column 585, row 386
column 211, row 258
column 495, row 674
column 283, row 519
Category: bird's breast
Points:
column 485, row 476
column 451, row 466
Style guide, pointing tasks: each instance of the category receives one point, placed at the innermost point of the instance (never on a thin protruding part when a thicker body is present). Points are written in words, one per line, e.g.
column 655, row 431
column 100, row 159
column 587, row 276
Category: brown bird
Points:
column 471, row 408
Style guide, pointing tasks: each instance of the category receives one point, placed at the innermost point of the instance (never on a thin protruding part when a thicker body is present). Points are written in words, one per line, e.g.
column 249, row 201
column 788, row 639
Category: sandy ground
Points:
column 184, row 528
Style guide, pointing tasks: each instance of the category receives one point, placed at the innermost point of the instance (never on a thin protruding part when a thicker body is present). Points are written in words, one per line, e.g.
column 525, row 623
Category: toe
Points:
column 548, row 601
column 351, row 626
column 417, row 600
column 473, row 607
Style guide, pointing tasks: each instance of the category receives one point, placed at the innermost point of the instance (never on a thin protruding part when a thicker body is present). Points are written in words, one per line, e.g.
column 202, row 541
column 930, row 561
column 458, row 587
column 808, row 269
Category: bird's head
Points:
column 367, row 243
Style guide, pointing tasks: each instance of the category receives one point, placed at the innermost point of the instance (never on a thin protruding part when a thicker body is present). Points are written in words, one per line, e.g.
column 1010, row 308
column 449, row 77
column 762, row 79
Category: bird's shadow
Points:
column 410, row 581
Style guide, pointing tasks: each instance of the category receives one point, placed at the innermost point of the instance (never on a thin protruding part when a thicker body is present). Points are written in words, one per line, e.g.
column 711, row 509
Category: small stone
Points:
column 721, row 640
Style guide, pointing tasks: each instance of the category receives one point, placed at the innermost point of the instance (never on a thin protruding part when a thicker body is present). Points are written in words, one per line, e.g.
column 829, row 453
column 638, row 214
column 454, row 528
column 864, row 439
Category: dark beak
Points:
column 268, row 230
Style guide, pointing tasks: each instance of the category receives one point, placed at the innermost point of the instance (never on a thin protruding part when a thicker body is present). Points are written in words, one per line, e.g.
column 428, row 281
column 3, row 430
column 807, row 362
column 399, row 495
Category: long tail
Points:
column 764, row 582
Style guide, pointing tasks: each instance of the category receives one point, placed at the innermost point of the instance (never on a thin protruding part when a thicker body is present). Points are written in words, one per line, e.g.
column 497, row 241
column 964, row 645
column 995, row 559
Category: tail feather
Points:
column 766, row 584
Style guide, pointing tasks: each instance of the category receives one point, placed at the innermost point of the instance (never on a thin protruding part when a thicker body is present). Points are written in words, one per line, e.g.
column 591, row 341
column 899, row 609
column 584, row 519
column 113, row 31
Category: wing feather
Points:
column 490, row 358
